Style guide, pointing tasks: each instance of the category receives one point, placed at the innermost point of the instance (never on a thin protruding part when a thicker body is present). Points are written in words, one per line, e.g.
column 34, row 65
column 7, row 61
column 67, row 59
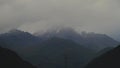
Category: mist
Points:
column 101, row 16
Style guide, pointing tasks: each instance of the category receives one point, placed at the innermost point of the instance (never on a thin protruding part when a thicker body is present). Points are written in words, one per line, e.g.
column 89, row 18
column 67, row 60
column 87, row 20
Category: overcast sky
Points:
column 101, row 16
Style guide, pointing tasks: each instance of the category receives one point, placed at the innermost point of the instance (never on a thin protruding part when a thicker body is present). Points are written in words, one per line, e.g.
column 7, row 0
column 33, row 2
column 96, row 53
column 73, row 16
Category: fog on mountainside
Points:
column 91, row 40
column 59, row 33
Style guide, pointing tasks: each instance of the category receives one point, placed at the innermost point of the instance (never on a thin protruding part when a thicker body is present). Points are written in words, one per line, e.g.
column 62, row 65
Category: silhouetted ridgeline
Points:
column 111, row 59
column 9, row 59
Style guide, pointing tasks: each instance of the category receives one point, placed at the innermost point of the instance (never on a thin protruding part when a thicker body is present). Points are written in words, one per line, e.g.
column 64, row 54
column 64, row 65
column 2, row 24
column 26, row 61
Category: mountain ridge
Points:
column 110, row 59
column 9, row 59
column 16, row 39
column 94, row 40
column 90, row 40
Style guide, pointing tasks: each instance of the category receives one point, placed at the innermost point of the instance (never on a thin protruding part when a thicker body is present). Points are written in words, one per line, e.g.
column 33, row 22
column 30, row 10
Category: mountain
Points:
column 111, row 59
column 99, row 41
column 16, row 39
column 58, row 48
column 103, row 51
column 49, row 52
column 58, row 53
column 9, row 59
column 91, row 40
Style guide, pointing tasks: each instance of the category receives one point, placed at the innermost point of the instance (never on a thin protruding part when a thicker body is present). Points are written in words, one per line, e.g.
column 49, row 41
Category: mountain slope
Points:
column 16, row 39
column 9, row 59
column 111, row 59
column 52, row 53
column 103, row 51
column 90, row 40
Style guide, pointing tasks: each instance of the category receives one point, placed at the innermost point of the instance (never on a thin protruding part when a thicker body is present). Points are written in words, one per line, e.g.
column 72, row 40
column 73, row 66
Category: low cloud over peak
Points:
column 100, row 16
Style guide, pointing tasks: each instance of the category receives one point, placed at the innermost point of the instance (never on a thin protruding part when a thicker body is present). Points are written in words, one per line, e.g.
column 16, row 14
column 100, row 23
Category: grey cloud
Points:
column 100, row 16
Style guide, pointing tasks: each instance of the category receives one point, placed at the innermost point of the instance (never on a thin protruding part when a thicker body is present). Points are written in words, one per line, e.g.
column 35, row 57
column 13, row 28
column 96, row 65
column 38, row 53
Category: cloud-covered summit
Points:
column 32, row 15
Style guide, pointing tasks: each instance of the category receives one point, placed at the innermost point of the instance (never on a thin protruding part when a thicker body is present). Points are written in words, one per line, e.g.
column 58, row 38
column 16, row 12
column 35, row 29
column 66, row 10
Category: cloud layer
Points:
column 100, row 16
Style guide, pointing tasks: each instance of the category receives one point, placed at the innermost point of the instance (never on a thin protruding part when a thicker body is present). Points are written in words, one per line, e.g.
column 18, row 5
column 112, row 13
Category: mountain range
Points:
column 90, row 40
column 16, row 39
column 57, row 48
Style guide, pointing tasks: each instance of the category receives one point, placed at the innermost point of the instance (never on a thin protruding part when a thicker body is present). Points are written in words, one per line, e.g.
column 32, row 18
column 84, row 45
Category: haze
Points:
column 101, row 16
